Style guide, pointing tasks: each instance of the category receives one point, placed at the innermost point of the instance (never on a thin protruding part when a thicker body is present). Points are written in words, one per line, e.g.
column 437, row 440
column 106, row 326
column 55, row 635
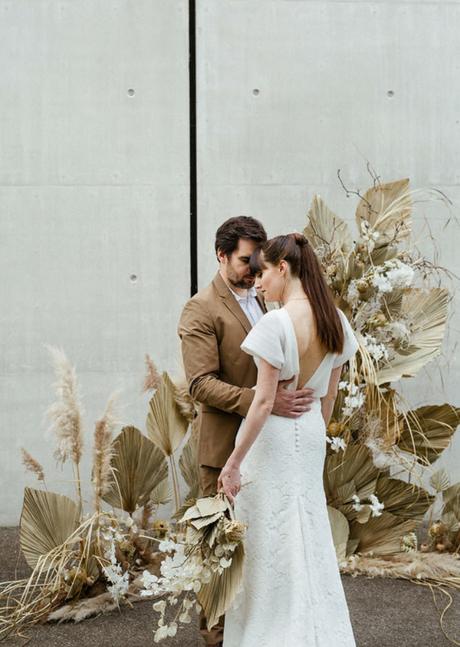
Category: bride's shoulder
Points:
column 270, row 318
column 270, row 323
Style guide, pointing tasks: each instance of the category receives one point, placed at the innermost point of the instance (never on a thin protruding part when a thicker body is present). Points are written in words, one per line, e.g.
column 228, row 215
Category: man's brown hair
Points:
column 229, row 233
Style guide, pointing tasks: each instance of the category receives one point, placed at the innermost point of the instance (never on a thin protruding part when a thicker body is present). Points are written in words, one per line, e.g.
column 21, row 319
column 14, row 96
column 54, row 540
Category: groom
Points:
column 220, row 375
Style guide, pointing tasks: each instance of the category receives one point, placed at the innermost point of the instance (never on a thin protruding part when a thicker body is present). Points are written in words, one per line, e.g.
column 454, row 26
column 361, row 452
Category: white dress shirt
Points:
column 249, row 305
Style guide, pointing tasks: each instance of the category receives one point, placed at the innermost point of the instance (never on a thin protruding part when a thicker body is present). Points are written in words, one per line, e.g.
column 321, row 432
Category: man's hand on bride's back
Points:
column 292, row 404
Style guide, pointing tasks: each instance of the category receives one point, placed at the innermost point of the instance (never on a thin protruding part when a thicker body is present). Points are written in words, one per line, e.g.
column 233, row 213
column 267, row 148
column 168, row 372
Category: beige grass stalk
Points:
column 32, row 465
column 66, row 415
column 103, row 452
column 152, row 378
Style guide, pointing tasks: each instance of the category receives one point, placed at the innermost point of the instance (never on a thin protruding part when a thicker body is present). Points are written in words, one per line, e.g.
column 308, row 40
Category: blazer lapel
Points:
column 261, row 302
column 230, row 302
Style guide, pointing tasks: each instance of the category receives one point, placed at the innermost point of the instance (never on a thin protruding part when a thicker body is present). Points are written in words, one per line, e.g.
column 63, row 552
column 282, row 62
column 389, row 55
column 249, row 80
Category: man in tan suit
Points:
column 220, row 375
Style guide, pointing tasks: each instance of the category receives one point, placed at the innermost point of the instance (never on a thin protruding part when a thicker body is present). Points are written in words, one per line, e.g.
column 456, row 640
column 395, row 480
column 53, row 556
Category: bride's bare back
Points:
column 310, row 349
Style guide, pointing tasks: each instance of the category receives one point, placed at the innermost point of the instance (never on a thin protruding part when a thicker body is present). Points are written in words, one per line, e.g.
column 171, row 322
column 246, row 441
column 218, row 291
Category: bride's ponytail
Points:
column 303, row 262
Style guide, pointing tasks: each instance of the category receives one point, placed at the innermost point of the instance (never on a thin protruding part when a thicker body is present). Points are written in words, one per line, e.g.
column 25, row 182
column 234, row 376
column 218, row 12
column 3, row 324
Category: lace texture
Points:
column 291, row 592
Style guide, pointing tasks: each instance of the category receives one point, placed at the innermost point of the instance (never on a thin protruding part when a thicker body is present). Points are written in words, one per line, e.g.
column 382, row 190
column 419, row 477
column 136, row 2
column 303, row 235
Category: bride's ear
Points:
column 283, row 266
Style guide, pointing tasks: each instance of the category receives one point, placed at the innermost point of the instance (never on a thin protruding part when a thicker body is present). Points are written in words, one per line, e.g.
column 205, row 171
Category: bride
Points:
column 291, row 592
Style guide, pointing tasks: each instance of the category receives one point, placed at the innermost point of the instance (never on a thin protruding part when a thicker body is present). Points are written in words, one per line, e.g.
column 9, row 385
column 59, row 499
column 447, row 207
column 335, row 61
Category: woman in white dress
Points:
column 291, row 594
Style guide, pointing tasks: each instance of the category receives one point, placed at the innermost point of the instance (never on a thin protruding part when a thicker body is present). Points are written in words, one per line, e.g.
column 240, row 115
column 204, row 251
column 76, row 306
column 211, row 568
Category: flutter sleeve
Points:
column 266, row 340
column 350, row 345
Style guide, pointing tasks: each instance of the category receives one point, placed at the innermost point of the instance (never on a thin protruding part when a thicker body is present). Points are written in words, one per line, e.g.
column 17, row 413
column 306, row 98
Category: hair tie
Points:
column 300, row 239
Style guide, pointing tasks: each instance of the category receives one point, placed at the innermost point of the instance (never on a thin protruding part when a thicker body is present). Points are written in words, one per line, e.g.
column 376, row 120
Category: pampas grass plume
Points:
column 103, row 450
column 152, row 377
column 32, row 465
column 66, row 414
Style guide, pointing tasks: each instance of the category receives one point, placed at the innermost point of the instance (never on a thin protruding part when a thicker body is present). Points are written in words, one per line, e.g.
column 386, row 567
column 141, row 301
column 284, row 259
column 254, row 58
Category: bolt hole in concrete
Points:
column 133, row 278
column 131, row 92
column 390, row 93
column 256, row 92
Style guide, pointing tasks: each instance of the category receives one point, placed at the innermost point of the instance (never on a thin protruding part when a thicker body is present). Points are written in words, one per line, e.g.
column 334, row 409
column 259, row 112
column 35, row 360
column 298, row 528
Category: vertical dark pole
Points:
column 193, row 170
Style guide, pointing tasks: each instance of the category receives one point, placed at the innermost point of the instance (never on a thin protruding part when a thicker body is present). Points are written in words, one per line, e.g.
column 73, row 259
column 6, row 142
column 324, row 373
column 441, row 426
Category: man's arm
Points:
column 200, row 353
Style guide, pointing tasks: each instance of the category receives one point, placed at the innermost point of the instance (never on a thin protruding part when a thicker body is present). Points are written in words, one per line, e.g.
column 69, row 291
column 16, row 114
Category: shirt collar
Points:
column 252, row 292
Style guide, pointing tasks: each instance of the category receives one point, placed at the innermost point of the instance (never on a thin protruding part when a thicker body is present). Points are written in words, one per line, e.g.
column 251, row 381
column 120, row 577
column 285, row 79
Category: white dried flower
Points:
column 376, row 507
column 376, row 350
column 336, row 443
column 357, row 505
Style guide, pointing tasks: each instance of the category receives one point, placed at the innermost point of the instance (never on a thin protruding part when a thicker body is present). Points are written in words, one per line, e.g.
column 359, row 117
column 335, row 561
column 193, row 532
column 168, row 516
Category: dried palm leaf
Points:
column 325, row 231
column 387, row 208
column 138, row 467
column 403, row 499
column 381, row 535
column 166, row 426
column 427, row 312
column 217, row 596
column 440, row 480
column 451, row 500
column 161, row 494
column 205, row 521
column 340, row 531
column 205, row 507
column 427, row 431
column 188, row 463
column 47, row 520
column 189, row 501
column 392, row 303
column 355, row 464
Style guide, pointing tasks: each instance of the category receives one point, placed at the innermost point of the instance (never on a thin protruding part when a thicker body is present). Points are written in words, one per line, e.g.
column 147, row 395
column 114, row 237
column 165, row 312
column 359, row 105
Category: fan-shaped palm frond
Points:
column 427, row 431
column 166, row 426
column 403, row 499
column 217, row 596
column 340, row 531
column 426, row 312
column 188, row 463
column 354, row 465
column 387, row 208
column 161, row 493
column 451, row 499
column 381, row 535
column 440, row 480
column 325, row 231
column 47, row 520
column 138, row 467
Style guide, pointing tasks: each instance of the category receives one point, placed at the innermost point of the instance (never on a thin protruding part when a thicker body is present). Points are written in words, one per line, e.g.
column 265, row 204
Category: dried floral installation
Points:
column 394, row 301
column 88, row 563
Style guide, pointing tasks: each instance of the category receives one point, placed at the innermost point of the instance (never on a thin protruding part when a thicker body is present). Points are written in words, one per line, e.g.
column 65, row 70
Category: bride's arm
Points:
column 327, row 402
column 261, row 407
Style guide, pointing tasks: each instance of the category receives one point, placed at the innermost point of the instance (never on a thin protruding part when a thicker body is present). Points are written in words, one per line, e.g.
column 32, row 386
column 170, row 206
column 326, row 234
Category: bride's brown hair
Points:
column 296, row 250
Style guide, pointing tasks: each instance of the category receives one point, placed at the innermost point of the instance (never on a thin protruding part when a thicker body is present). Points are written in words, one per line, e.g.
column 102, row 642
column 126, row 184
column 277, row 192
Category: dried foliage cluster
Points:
column 102, row 554
column 392, row 297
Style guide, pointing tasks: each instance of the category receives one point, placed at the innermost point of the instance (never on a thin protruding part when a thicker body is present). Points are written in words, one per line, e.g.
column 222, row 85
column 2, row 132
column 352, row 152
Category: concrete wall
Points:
column 94, row 191
column 94, row 178
column 291, row 91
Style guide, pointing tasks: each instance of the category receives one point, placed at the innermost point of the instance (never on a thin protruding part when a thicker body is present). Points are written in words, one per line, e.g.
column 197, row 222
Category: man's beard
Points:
column 244, row 283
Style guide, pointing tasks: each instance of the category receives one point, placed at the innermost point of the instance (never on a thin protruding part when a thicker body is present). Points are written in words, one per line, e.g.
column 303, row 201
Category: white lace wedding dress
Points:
column 291, row 594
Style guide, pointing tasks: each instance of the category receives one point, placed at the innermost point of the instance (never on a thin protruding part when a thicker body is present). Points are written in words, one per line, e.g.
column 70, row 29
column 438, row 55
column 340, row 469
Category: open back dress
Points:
column 291, row 594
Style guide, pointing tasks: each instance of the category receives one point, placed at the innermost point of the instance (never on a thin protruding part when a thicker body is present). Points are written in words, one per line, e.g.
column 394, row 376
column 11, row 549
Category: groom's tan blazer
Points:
column 220, row 375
